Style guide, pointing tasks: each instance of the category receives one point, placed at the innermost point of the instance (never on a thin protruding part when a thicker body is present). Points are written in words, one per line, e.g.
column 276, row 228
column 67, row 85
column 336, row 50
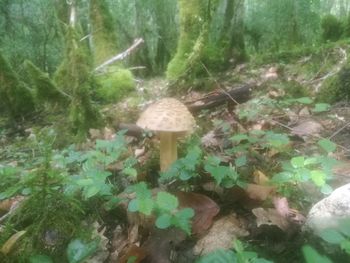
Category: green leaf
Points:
column 182, row 219
column 345, row 245
column 321, row 107
column 326, row 189
column 297, row 162
column 91, row 191
column 77, row 250
column 304, row 100
column 241, row 161
column 163, row 221
column 312, row 256
column 166, row 201
column 327, row 145
column 318, row 177
column 239, row 137
column 85, row 182
column 130, row 172
column 133, row 205
column 146, row 206
column 219, row 255
column 332, row 236
column 40, row 259
column 132, row 259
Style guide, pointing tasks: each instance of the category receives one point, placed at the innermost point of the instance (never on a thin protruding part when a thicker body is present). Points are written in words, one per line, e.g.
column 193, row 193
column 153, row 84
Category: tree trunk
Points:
column 198, row 50
column 104, row 39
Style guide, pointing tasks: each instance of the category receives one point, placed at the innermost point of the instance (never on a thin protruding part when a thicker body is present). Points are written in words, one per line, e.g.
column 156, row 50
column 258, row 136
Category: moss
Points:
column 45, row 89
column 104, row 34
column 336, row 88
column 15, row 96
column 75, row 78
column 115, row 85
column 331, row 27
column 49, row 223
column 193, row 34
column 294, row 89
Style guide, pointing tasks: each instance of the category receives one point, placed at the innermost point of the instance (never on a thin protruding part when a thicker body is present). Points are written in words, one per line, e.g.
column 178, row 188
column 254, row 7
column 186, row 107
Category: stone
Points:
column 328, row 212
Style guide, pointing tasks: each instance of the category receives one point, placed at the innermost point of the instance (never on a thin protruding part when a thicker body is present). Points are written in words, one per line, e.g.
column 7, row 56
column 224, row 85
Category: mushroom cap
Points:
column 168, row 115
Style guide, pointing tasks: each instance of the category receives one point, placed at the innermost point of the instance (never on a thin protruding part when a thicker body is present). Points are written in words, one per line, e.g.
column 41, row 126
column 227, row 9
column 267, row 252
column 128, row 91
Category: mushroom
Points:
column 170, row 119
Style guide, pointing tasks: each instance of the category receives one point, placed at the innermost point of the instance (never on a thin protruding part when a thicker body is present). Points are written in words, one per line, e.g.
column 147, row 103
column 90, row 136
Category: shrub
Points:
column 115, row 85
column 336, row 88
column 331, row 28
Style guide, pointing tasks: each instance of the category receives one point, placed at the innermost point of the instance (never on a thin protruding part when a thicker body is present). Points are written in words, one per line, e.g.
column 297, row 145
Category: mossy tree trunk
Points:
column 16, row 98
column 45, row 90
column 74, row 78
column 194, row 28
column 104, row 39
column 200, row 48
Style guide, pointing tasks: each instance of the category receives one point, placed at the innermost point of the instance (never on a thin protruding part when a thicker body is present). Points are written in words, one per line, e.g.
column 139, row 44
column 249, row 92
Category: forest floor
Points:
column 281, row 121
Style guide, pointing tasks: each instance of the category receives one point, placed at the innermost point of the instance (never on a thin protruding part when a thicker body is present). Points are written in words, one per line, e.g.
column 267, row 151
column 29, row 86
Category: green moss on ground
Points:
column 115, row 85
column 336, row 88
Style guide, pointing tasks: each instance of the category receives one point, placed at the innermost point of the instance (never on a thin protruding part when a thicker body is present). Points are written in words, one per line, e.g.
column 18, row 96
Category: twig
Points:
column 342, row 128
column 217, row 83
column 122, row 55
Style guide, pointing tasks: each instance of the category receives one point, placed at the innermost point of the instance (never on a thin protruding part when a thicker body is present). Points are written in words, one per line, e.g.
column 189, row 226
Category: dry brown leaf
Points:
column 259, row 192
column 220, row 235
column 282, row 206
column 304, row 112
column 308, row 127
column 205, row 210
column 161, row 243
column 135, row 252
column 270, row 216
column 139, row 152
column 271, row 74
column 7, row 247
column 209, row 140
column 260, row 178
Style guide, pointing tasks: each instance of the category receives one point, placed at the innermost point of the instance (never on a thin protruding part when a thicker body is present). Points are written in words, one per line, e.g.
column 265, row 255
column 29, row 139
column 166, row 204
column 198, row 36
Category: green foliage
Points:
column 311, row 255
column 115, row 85
column 184, row 168
column 46, row 210
column 312, row 169
column 238, row 256
column 278, row 25
column 92, row 176
column 332, row 28
column 29, row 30
column 336, row 88
column 45, row 89
column 225, row 176
column 294, row 89
column 15, row 96
column 165, row 206
column 77, row 250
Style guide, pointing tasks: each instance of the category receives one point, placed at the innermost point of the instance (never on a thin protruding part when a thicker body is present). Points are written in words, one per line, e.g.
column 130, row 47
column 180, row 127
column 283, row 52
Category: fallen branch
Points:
column 238, row 95
column 122, row 55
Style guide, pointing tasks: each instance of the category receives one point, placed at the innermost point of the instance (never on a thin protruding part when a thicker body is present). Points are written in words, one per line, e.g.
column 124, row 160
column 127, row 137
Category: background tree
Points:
column 208, row 39
column 16, row 98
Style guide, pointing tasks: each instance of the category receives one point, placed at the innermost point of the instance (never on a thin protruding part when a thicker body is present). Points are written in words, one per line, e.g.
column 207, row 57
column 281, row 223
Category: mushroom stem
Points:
column 168, row 150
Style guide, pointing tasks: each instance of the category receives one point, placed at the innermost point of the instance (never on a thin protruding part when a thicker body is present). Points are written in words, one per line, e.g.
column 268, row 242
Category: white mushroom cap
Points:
column 167, row 114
